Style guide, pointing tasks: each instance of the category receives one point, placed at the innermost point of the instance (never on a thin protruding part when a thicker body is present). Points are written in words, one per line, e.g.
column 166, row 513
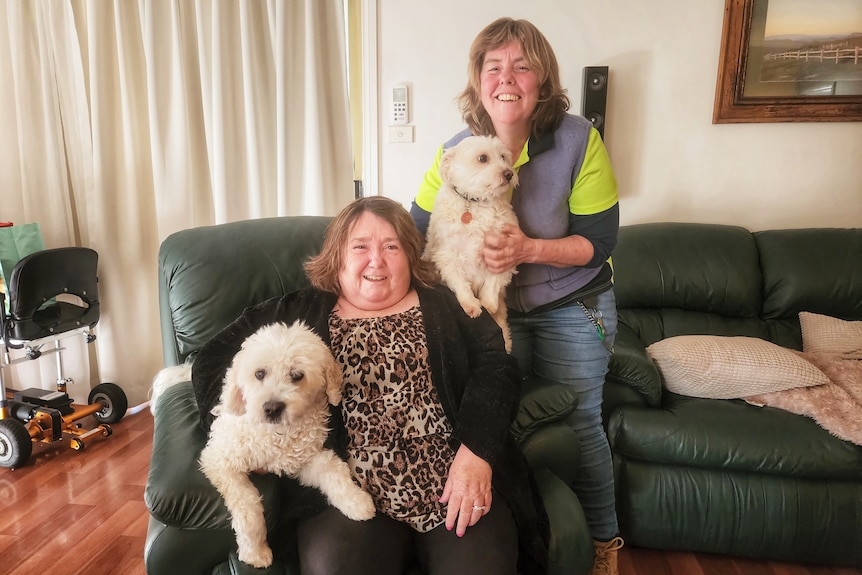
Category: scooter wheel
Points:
column 113, row 398
column 15, row 444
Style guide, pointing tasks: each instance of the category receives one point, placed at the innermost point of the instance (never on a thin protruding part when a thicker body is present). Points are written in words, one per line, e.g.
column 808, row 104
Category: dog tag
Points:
column 466, row 218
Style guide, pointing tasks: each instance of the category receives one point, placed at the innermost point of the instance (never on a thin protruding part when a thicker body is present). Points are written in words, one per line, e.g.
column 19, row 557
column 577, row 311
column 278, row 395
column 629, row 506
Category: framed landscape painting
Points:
column 790, row 61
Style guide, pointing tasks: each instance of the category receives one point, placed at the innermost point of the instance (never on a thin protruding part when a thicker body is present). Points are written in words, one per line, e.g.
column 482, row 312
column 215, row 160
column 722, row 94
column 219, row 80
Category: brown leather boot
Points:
column 606, row 557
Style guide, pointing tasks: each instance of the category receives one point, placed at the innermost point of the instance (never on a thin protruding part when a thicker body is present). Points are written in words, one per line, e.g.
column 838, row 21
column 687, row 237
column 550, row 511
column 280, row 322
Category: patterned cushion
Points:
column 825, row 334
column 720, row 367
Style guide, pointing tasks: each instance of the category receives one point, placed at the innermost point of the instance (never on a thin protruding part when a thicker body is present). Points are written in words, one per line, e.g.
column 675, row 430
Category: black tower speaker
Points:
column 595, row 98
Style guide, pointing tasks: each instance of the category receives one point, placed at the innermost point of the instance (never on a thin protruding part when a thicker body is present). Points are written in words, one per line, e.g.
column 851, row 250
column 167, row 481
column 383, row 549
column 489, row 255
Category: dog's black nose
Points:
column 273, row 409
column 508, row 175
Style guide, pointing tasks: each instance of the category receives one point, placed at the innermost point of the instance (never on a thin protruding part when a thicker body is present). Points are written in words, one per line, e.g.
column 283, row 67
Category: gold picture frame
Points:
column 741, row 96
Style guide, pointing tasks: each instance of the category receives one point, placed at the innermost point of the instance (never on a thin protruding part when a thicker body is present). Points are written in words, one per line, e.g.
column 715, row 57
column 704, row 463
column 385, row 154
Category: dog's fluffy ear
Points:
column 231, row 397
column 445, row 164
column 334, row 382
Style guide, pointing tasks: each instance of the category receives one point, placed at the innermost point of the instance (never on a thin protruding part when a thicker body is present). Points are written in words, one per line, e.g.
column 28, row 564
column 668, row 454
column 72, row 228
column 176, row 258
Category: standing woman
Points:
column 562, row 311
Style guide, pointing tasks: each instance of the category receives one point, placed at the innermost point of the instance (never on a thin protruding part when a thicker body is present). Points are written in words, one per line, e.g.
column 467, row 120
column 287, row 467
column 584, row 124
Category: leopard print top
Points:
column 397, row 431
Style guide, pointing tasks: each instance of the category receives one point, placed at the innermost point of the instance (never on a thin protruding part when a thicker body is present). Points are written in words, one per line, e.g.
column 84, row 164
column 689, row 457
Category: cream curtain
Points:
column 123, row 121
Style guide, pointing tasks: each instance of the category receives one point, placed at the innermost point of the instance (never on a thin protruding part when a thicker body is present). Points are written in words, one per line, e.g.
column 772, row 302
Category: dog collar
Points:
column 465, row 196
column 466, row 217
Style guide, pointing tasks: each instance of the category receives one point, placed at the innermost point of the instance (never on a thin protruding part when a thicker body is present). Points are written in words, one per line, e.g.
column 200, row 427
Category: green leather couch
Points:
column 207, row 276
column 724, row 476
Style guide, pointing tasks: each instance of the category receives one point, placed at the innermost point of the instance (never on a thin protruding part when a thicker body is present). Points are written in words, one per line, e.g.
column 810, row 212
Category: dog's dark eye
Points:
column 260, row 374
column 483, row 159
column 296, row 375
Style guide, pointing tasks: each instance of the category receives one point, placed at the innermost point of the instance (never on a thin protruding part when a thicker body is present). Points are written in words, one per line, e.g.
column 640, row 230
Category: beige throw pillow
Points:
column 825, row 334
column 719, row 367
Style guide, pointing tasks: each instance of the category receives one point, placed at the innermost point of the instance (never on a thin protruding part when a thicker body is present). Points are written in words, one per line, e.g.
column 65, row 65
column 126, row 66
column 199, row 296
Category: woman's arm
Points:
column 423, row 203
column 477, row 382
column 491, row 384
column 484, row 380
column 511, row 247
column 593, row 239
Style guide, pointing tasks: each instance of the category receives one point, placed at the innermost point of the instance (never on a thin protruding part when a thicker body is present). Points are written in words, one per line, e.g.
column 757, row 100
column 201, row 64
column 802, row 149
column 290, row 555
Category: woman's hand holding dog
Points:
column 505, row 250
column 467, row 492
column 511, row 247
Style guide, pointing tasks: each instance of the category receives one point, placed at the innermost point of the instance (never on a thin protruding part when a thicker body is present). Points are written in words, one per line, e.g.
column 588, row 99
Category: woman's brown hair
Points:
column 323, row 269
column 553, row 101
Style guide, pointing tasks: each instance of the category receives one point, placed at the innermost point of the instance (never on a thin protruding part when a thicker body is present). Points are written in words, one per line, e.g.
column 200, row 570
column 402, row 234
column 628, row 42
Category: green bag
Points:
column 15, row 243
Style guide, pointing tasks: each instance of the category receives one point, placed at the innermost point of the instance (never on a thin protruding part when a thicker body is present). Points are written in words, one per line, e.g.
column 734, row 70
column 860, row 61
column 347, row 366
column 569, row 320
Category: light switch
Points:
column 401, row 134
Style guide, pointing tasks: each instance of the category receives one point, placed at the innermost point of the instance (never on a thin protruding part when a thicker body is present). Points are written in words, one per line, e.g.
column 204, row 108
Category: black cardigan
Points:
column 477, row 382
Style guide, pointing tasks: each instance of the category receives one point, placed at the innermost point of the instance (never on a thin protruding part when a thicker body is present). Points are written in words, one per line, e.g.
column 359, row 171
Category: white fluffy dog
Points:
column 272, row 416
column 477, row 174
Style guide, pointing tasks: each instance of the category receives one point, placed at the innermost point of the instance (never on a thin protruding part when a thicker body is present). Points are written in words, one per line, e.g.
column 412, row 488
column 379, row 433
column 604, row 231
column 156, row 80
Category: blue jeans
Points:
column 563, row 345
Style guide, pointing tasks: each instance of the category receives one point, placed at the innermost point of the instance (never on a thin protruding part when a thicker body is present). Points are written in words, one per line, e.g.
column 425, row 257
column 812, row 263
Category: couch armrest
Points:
column 542, row 402
column 540, row 429
column 554, row 447
column 571, row 550
column 631, row 366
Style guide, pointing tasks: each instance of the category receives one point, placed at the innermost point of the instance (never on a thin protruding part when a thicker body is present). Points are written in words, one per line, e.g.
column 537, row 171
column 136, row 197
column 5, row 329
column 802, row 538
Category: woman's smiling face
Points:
column 509, row 87
column 376, row 272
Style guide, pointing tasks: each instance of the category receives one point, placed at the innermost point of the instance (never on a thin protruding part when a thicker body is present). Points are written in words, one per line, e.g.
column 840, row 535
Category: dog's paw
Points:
column 260, row 556
column 471, row 307
column 359, row 507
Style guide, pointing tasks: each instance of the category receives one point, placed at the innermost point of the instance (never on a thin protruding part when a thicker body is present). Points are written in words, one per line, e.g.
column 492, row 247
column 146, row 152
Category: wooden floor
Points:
column 82, row 513
column 79, row 512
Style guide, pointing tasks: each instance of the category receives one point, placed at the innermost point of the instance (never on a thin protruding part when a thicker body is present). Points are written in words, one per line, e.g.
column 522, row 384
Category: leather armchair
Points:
column 207, row 276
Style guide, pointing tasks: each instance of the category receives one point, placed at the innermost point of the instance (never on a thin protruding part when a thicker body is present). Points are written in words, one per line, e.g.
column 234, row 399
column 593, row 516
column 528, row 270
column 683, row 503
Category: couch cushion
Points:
column 730, row 367
column 725, row 435
column 816, row 270
column 697, row 267
column 632, row 369
column 825, row 334
column 209, row 275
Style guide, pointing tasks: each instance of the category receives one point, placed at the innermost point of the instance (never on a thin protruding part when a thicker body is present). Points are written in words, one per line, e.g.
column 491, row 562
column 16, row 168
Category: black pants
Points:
column 331, row 544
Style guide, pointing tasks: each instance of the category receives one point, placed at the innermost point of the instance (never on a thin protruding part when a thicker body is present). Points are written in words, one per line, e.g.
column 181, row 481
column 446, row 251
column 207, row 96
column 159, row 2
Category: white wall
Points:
column 672, row 163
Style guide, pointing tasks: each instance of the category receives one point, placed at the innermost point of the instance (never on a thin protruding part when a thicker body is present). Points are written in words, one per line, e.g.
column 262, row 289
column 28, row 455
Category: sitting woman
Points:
column 424, row 423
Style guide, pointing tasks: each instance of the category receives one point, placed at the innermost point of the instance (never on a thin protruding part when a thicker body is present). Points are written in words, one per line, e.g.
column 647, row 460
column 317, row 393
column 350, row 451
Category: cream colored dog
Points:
column 272, row 416
column 473, row 200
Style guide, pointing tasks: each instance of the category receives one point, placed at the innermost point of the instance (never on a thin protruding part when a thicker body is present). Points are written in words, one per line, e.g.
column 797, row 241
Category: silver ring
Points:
column 479, row 508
